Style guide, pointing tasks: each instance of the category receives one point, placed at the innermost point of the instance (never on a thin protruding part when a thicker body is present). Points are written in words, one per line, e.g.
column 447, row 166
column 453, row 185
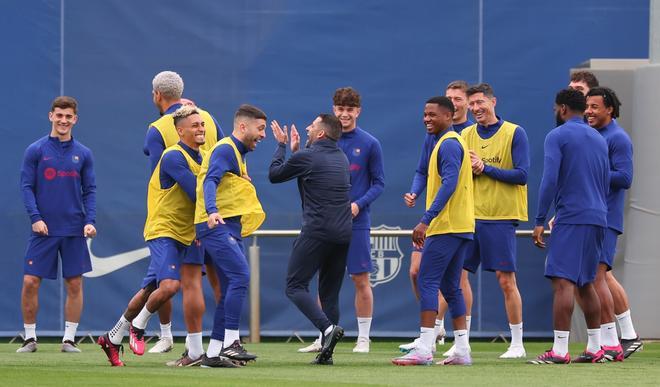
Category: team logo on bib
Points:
column 386, row 257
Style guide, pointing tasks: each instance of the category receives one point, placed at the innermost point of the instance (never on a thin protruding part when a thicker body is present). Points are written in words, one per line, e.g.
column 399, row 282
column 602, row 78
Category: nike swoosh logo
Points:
column 106, row 265
column 484, row 146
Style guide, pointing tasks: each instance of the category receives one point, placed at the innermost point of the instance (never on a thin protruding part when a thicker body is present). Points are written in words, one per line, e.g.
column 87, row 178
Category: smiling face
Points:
column 459, row 98
column 347, row 116
column 253, row 131
column 598, row 116
column 315, row 131
column 482, row 108
column 436, row 118
column 62, row 122
column 192, row 131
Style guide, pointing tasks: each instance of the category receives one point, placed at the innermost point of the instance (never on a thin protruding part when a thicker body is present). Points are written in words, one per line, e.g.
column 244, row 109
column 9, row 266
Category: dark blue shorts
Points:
column 494, row 247
column 194, row 254
column 167, row 256
column 358, row 259
column 42, row 252
column 609, row 248
column 440, row 269
column 574, row 252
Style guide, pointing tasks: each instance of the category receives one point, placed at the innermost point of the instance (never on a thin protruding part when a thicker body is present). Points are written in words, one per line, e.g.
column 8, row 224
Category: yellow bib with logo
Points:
column 493, row 199
column 167, row 130
column 170, row 212
column 458, row 214
column 235, row 196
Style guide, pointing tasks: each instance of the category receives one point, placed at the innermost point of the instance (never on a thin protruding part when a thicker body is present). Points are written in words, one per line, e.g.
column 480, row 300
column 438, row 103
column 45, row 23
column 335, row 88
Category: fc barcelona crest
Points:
column 386, row 257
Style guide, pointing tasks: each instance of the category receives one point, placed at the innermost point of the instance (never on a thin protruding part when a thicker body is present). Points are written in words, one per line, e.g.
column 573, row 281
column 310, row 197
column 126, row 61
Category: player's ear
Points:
column 358, row 110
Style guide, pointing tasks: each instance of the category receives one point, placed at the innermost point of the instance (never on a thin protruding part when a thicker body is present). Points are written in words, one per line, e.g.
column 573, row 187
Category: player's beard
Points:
column 558, row 119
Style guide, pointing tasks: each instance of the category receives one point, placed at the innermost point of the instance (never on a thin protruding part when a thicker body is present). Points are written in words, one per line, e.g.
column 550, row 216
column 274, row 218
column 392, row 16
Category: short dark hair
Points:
column 250, row 111
column 346, row 96
column 573, row 99
column 458, row 84
column 609, row 98
column 444, row 102
column 182, row 113
column 585, row 76
column 481, row 88
column 331, row 126
column 64, row 102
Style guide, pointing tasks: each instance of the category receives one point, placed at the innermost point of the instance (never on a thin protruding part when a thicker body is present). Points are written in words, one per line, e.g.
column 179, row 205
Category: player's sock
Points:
column 166, row 330
column 560, row 345
column 118, row 332
column 140, row 322
column 468, row 323
column 231, row 335
column 593, row 340
column 426, row 339
column 69, row 331
column 626, row 325
column 195, row 346
column 516, row 334
column 215, row 346
column 608, row 336
column 461, row 341
column 30, row 331
column 439, row 326
column 364, row 326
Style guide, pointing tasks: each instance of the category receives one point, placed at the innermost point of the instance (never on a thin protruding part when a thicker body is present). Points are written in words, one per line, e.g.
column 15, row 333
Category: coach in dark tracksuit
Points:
column 324, row 184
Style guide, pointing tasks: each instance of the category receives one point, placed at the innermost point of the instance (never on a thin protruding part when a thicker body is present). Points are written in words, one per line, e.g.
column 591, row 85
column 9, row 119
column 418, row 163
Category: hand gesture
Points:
column 355, row 210
column 89, row 231
column 295, row 139
column 39, row 227
column 214, row 220
column 419, row 235
column 280, row 134
column 537, row 237
column 477, row 163
column 409, row 199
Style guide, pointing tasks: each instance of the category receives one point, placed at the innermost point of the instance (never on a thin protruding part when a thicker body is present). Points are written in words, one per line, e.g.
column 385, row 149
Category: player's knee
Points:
column 169, row 287
column 507, row 281
column 31, row 283
column 74, row 287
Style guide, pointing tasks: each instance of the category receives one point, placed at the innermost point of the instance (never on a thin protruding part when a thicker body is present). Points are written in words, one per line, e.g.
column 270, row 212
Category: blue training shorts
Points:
column 574, row 252
column 494, row 247
column 440, row 269
column 167, row 256
column 609, row 248
column 42, row 252
column 358, row 259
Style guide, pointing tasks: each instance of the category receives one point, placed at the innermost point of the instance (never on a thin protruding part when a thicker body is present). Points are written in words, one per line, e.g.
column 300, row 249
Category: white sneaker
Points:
column 165, row 344
column 412, row 345
column 362, row 345
column 70, row 346
column 314, row 347
column 452, row 351
column 517, row 352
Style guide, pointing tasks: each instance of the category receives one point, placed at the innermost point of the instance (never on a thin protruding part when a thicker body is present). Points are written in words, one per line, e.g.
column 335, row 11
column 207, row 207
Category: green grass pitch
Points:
column 280, row 365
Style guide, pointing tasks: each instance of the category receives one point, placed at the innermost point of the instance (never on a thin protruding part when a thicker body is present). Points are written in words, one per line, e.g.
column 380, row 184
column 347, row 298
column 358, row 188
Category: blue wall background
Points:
column 287, row 57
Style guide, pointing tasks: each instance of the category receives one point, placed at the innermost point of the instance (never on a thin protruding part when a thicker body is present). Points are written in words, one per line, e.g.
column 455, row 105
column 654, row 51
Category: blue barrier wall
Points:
column 287, row 57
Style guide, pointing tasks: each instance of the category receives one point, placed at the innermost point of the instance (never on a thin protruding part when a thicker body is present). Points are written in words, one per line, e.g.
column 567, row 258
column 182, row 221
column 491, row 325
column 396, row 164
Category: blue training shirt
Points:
column 365, row 157
column 421, row 173
column 154, row 144
column 59, row 186
column 575, row 175
column 223, row 160
column 174, row 169
column 620, row 152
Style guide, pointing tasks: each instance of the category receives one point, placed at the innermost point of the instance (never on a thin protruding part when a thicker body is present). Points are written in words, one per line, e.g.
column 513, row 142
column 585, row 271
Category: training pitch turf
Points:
column 279, row 364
